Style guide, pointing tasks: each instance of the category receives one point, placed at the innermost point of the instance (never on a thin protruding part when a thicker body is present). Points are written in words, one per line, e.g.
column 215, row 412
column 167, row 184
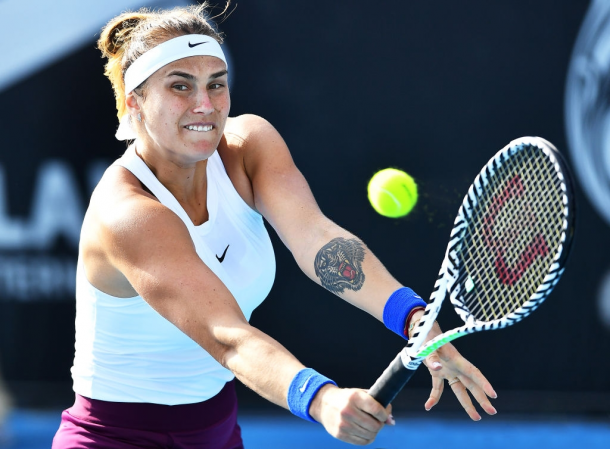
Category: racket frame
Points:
column 414, row 354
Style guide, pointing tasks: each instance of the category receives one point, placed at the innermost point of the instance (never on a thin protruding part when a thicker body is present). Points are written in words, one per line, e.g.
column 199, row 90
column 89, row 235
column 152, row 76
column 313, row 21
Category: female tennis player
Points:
column 174, row 257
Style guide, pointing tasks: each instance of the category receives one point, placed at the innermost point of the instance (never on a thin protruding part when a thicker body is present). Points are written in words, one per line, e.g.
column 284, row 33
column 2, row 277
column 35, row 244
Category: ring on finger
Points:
column 453, row 381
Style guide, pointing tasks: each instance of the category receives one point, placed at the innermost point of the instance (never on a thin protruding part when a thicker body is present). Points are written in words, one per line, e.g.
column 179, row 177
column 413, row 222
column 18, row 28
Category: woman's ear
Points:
column 133, row 108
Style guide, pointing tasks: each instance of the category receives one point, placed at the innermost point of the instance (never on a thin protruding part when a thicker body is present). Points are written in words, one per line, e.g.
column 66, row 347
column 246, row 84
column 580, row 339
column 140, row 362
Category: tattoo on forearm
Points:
column 339, row 265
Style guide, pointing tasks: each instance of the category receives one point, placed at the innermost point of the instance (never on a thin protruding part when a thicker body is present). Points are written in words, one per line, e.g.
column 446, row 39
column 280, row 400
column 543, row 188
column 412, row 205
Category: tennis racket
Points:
column 507, row 250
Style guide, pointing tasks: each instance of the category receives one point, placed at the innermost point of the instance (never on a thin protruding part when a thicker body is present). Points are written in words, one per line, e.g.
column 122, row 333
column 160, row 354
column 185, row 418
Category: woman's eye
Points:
column 180, row 87
column 216, row 86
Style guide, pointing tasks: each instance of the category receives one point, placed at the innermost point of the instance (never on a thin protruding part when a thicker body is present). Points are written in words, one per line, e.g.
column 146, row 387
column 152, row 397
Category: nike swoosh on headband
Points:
column 194, row 45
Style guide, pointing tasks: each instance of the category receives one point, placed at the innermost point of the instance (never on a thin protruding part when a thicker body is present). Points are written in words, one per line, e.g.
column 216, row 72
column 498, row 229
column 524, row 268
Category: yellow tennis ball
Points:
column 392, row 193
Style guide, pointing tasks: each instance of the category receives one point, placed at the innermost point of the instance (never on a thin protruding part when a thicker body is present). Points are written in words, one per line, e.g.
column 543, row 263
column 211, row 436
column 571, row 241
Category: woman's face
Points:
column 184, row 108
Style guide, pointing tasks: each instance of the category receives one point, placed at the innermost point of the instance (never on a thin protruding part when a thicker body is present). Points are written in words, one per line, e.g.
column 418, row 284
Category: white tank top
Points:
column 125, row 350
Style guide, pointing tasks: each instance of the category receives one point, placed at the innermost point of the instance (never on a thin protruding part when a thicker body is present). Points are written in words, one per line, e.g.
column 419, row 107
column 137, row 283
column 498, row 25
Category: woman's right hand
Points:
column 351, row 415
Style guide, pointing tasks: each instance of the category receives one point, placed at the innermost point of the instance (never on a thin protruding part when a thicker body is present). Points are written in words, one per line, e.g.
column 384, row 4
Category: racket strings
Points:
column 512, row 235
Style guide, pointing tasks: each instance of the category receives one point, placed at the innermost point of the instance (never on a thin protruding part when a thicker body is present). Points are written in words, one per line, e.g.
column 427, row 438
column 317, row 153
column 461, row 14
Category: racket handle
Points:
column 389, row 384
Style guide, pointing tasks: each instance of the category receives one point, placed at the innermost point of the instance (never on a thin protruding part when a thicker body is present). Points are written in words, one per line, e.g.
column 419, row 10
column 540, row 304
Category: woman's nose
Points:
column 204, row 104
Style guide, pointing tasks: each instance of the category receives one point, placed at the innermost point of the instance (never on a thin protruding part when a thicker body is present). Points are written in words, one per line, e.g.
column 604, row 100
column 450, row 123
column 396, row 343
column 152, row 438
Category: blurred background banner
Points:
column 41, row 32
column 587, row 117
column 433, row 88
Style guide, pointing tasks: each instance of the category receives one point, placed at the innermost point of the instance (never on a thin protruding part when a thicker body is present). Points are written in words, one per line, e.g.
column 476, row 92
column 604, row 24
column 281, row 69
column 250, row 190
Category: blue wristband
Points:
column 302, row 390
column 398, row 307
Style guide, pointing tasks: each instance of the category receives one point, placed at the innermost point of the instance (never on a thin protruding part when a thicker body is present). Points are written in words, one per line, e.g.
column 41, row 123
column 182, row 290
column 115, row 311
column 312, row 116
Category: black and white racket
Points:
column 507, row 250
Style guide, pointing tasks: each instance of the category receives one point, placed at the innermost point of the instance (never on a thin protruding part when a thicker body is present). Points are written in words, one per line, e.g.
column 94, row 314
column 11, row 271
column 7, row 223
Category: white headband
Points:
column 161, row 55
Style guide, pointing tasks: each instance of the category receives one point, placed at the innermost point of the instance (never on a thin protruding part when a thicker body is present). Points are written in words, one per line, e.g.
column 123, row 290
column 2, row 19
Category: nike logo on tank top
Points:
column 125, row 350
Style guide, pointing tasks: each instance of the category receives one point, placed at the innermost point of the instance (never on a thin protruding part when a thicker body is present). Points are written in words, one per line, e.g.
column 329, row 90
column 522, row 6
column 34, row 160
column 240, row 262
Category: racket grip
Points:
column 389, row 384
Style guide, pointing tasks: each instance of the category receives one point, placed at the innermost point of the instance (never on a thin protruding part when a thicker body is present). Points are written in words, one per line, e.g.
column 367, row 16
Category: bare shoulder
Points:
column 124, row 226
column 120, row 201
column 252, row 148
column 258, row 144
column 249, row 130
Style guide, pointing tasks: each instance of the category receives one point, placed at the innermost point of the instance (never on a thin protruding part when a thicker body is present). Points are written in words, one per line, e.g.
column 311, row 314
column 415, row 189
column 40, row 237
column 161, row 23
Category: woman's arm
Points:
column 335, row 258
column 328, row 254
column 152, row 248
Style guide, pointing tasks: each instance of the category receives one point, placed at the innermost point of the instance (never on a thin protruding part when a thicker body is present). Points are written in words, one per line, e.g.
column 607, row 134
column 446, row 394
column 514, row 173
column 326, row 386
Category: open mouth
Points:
column 201, row 128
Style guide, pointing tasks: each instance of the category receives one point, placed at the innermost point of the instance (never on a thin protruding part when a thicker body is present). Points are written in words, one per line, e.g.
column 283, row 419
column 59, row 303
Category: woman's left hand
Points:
column 447, row 363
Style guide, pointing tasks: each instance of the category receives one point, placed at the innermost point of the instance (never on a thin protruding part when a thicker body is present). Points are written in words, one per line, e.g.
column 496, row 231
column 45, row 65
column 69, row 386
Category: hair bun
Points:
column 118, row 32
column 131, row 34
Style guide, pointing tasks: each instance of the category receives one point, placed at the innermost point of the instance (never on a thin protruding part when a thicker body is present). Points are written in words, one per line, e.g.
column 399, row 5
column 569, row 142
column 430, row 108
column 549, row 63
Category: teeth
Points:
column 200, row 128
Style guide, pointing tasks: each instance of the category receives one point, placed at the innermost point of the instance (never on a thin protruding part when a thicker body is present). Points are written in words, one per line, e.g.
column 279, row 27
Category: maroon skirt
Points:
column 94, row 424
